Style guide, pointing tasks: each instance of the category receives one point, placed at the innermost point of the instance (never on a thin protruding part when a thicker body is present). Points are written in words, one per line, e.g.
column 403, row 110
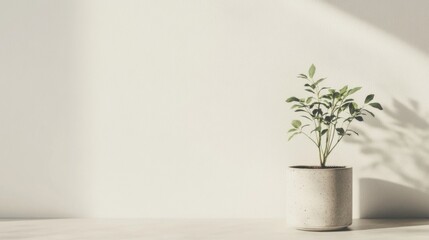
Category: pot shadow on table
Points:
column 384, row 204
column 396, row 147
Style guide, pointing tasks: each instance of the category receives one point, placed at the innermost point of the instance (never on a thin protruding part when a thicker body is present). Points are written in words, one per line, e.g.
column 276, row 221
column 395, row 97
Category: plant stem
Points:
column 309, row 138
column 339, row 139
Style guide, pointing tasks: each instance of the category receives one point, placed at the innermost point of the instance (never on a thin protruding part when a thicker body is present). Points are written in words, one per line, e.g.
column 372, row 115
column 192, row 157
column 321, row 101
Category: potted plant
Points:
column 320, row 196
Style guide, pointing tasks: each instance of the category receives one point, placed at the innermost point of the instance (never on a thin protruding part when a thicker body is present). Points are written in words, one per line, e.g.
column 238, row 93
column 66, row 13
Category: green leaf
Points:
column 353, row 90
column 328, row 104
column 359, row 118
column 340, row 131
column 306, row 117
column 351, row 108
column 309, row 90
column 291, row 136
column 326, row 96
column 319, row 81
column 308, row 100
column 369, row 98
column 323, row 88
column 292, row 99
column 336, row 95
column 296, row 123
column 312, row 70
column 376, row 105
column 343, row 90
column 318, row 104
column 316, row 129
column 328, row 118
column 345, row 105
column 349, row 119
column 324, row 131
column 292, row 130
column 317, row 111
column 302, row 76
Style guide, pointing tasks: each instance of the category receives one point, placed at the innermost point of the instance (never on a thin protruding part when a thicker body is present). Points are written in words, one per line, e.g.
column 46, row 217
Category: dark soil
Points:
column 317, row 167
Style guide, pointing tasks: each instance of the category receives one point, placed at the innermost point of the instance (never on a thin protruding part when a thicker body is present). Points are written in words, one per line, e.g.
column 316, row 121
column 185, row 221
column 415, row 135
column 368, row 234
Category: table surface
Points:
column 249, row 229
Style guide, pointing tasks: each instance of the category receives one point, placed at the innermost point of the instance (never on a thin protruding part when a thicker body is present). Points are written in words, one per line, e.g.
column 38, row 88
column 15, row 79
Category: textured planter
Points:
column 319, row 199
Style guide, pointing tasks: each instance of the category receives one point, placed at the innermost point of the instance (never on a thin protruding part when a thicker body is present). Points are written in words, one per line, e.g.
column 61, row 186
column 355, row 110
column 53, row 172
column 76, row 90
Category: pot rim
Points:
column 308, row 168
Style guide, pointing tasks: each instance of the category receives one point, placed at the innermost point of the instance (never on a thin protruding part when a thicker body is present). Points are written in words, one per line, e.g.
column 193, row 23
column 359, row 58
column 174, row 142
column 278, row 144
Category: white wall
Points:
column 41, row 165
column 176, row 108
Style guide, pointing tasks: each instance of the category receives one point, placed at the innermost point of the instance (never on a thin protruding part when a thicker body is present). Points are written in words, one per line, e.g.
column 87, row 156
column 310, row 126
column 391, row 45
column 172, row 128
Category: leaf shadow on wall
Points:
column 405, row 20
column 397, row 148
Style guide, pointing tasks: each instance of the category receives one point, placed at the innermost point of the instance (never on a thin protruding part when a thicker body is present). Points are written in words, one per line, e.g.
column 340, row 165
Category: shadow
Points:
column 369, row 224
column 383, row 199
column 403, row 19
column 397, row 149
column 27, row 219
column 40, row 163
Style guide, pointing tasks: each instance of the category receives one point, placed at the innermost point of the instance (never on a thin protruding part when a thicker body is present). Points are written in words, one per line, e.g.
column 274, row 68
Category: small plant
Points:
column 327, row 114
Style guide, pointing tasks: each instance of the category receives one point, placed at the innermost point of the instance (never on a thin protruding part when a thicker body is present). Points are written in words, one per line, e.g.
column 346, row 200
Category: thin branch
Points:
column 339, row 139
column 309, row 138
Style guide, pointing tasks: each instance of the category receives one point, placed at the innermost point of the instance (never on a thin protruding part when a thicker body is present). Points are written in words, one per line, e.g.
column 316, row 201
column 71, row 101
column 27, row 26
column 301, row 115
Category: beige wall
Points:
column 176, row 108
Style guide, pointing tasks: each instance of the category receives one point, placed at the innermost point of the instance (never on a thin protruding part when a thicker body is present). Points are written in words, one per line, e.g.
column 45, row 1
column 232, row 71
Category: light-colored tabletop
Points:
column 237, row 229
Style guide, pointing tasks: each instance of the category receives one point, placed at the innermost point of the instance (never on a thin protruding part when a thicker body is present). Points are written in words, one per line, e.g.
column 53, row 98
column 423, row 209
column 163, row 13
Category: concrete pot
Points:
column 319, row 199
